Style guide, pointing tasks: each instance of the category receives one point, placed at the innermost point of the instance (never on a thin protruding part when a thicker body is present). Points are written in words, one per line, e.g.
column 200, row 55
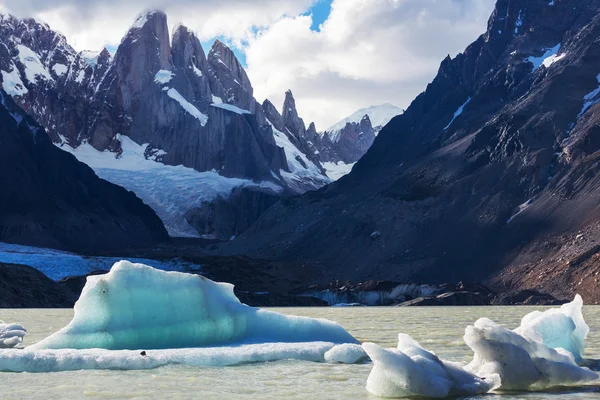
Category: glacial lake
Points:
column 439, row 329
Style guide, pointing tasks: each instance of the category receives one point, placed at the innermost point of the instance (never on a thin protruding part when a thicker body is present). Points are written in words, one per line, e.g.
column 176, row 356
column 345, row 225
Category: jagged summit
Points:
column 161, row 103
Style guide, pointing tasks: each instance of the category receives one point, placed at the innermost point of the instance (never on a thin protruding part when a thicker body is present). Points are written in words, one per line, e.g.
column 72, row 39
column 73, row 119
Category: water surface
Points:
column 439, row 329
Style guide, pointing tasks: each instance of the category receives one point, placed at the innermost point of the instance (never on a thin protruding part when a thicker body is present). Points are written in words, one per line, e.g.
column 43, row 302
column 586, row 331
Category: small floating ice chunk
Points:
column 347, row 353
column 521, row 363
column 11, row 335
column 135, row 306
column 411, row 371
column 562, row 327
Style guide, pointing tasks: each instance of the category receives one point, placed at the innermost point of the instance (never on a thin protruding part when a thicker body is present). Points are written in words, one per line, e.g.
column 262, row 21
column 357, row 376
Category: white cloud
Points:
column 368, row 52
column 92, row 24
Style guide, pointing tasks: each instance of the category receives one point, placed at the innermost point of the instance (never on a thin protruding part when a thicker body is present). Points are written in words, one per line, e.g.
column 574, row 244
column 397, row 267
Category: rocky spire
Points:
column 273, row 115
column 144, row 51
column 187, row 50
column 291, row 119
column 222, row 57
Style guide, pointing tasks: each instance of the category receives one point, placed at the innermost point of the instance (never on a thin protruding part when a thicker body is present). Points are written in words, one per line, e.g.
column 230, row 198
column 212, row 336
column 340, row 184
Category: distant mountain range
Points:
column 179, row 128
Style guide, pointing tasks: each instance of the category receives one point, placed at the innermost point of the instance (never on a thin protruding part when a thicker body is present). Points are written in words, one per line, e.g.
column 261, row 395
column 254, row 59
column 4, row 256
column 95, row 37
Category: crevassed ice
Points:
column 135, row 306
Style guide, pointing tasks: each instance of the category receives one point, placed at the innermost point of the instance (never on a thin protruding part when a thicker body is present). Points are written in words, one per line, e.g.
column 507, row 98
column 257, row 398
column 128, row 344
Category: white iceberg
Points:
column 135, row 306
column 11, row 335
column 411, row 371
column 521, row 363
column 562, row 327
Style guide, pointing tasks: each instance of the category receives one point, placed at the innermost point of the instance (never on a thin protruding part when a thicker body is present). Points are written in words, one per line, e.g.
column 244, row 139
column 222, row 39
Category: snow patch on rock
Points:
column 163, row 77
column 187, row 106
column 12, row 83
column 458, row 112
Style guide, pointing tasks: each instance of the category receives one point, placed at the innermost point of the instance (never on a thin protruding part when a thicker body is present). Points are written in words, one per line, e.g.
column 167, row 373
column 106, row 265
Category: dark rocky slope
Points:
column 491, row 171
column 50, row 199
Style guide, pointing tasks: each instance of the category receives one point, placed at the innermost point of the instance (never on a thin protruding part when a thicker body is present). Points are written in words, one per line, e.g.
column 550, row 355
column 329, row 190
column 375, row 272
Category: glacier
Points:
column 11, row 335
column 58, row 264
column 135, row 306
column 171, row 191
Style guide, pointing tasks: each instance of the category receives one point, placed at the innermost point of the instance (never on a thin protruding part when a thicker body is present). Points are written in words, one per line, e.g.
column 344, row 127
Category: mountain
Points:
column 179, row 128
column 51, row 199
column 344, row 143
column 490, row 175
column 378, row 115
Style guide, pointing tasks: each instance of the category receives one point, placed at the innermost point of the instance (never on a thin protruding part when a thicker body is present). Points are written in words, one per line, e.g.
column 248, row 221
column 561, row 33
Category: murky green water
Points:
column 439, row 329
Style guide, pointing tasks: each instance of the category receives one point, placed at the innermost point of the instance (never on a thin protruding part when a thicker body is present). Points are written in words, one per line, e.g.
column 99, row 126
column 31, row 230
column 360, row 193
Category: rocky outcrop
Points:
column 25, row 287
column 227, row 217
column 488, row 173
column 50, row 199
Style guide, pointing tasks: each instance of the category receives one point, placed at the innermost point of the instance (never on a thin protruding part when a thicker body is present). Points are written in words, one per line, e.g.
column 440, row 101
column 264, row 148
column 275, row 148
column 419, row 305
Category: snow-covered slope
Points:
column 170, row 190
column 379, row 115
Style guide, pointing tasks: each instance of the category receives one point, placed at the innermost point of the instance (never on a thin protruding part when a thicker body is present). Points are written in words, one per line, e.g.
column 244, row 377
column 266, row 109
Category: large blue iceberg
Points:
column 138, row 307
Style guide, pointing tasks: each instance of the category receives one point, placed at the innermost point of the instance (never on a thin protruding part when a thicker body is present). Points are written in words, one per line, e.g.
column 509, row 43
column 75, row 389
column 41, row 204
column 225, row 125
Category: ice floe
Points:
column 519, row 362
column 411, row 371
column 135, row 306
column 29, row 360
column 11, row 335
column 541, row 354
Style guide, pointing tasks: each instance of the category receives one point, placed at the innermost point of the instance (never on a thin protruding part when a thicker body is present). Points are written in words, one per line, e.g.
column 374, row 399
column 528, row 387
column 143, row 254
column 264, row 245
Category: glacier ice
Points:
column 411, row 371
column 56, row 360
column 562, row 327
column 11, row 335
column 135, row 306
column 521, row 363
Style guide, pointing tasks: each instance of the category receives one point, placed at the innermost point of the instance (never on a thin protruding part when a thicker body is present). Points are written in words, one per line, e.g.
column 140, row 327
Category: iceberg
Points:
column 562, row 327
column 541, row 354
column 11, row 335
column 521, row 363
column 37, row 361
column 137, row 307
column 412, row 371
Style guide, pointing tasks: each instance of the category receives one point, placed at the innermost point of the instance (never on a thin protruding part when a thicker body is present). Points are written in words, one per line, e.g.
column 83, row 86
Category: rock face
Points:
column 162, row 93
column 50, row 199
column 25, row 287
column 487, row 176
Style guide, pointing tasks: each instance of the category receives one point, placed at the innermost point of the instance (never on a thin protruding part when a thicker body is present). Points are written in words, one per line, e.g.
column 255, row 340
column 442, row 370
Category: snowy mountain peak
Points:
column 144, row 18
column 378, row 115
